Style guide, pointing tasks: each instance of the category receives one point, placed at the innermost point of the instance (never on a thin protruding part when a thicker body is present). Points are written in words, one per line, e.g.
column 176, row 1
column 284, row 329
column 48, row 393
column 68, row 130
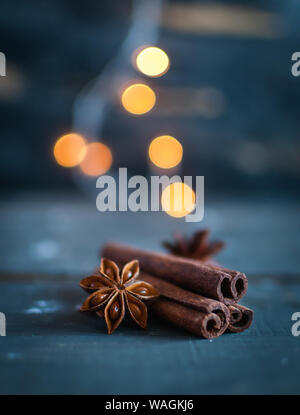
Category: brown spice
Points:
column 115, row 293
column 240, row 318
column 199, row 248
column 196, row 247
column 200, row 315
column 210, row 281
column 207, row 325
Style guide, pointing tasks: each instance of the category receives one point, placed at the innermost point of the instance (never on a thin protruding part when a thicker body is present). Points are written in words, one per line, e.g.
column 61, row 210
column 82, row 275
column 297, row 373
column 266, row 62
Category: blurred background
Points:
column 227, row 96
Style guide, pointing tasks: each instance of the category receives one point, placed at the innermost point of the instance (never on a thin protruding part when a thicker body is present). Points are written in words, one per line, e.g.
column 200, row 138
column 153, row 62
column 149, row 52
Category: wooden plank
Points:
column 52, row 348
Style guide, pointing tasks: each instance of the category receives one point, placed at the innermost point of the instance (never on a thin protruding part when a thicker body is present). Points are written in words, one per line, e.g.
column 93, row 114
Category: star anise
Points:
column 196, row 247
column 112, row 294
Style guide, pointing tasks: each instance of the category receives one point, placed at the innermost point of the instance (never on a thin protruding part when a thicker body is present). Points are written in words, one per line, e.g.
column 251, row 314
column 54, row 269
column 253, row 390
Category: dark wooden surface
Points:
column 48, row 244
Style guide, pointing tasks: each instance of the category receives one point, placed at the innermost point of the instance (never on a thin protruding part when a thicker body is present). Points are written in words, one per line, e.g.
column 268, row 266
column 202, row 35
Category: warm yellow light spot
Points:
column 165, row 151
column 178, row 200
column 138, row 99
column 69, row 150
column 153, row 61
column 97, row 161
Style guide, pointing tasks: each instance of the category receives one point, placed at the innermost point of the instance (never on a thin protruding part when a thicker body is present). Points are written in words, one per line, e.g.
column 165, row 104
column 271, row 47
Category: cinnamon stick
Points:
column 207, row 280
column 210, row 320
column 240, row 318
column 187, row 298
column 207, row 325
column 239, row 282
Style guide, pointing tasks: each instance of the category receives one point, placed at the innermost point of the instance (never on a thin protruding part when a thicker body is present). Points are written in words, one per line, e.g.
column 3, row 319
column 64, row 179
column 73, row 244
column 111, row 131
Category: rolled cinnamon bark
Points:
column 239, row 282
column 207, row 325
column 210, row 320
column 240, row 318
column 187, row 273
column 190, row 299
column 235, row 314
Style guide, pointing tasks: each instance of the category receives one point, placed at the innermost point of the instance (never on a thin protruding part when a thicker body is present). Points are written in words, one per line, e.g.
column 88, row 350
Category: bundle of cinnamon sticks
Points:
column 195, row 294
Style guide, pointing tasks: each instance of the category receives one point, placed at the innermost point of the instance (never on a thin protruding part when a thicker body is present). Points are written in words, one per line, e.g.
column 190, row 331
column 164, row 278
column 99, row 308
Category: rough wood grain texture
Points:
column 52, row 348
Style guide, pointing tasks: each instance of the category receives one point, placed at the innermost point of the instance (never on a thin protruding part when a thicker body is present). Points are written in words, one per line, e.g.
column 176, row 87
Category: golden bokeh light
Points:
column 70, row 150
column 153, row 61
column 97, row 161
column 165, row 151
column 178, row 200
column 138, row 99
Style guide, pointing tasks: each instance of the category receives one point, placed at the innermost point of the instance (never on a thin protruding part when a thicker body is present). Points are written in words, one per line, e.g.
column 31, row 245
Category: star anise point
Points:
column 196, row 247
column 112, row 293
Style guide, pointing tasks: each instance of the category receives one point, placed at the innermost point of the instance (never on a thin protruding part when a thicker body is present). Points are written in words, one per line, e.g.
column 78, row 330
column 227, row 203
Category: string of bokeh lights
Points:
column 165, row 152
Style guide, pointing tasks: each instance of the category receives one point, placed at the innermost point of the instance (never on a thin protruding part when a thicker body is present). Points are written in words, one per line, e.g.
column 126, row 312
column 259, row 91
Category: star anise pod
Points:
column 112, row 294
column 196, row 247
